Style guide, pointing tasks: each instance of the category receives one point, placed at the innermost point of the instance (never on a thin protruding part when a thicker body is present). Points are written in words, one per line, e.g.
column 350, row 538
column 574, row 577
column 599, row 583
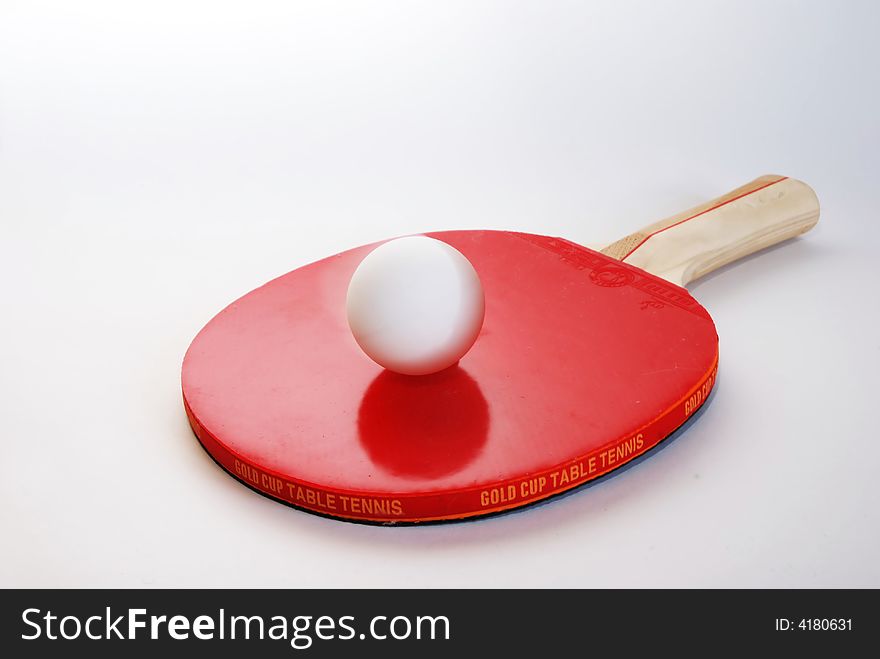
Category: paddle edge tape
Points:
column 459, row 504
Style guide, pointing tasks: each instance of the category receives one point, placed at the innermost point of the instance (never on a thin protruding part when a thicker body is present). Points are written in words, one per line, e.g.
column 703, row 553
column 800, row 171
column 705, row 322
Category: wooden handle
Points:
column 687, row 246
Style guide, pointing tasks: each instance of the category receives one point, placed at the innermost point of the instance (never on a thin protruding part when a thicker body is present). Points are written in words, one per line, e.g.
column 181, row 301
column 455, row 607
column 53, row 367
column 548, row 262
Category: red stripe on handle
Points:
column 687, row 219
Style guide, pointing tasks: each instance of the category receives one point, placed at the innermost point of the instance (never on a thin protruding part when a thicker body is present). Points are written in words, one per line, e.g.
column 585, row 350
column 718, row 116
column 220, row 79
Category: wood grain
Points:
column 695, row 242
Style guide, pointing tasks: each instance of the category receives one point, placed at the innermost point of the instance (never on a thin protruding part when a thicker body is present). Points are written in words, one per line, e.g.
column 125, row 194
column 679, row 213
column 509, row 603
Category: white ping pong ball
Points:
column 415, row 305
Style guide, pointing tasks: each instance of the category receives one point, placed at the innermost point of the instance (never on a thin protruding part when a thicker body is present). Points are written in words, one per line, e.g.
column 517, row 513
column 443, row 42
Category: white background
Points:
column 157, row 160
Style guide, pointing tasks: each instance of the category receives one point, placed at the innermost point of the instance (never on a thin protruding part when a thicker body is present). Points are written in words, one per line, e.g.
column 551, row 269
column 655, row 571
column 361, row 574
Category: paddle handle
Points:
column 687, row 246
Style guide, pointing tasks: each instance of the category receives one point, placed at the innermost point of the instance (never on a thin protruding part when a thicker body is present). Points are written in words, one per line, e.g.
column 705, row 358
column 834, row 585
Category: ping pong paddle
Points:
column 586, row 360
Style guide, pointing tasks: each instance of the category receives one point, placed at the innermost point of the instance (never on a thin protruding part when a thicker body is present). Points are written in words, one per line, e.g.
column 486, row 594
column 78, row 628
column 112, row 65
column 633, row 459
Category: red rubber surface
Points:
column 583, row 363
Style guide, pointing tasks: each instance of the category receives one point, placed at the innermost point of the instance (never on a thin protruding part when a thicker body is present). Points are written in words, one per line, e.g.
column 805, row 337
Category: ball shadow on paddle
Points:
column 423, row 427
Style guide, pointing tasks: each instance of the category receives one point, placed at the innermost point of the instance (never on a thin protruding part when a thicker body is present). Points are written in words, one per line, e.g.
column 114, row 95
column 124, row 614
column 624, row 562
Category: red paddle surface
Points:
column 583, row 363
